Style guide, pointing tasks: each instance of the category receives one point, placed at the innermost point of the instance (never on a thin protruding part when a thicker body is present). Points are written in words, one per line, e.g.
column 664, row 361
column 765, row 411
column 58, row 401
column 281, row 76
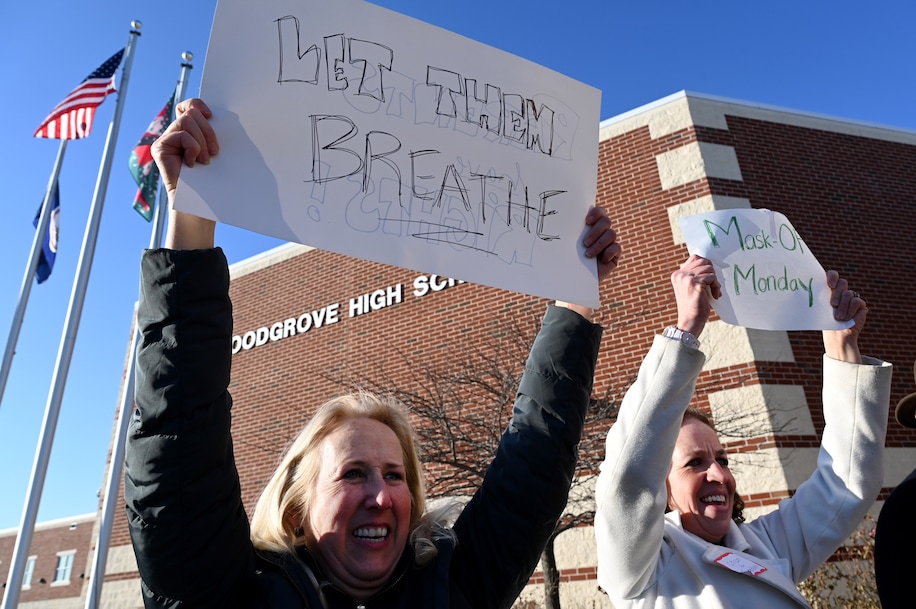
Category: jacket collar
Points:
column 734, row 538
column 304, row 572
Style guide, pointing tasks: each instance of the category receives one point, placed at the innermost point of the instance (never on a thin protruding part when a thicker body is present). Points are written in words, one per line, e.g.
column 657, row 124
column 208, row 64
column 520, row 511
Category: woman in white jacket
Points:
column 668, row 525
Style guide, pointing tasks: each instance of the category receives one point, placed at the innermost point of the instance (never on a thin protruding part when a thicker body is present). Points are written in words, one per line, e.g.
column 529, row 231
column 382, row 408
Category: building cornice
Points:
column 685, row 108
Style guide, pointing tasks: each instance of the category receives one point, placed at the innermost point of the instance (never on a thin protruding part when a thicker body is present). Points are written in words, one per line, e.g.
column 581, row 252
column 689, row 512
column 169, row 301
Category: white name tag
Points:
column 739, row 564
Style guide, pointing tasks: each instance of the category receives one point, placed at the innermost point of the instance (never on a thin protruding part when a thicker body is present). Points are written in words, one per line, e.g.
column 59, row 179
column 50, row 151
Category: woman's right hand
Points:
column 695, row 283
column 190, row 139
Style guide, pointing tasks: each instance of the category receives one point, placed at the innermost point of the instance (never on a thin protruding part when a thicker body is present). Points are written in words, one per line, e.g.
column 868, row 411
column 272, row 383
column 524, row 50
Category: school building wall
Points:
column 846, row 187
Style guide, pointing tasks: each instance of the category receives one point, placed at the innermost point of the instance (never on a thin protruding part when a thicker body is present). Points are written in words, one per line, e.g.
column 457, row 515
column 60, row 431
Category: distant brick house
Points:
column 57, row 563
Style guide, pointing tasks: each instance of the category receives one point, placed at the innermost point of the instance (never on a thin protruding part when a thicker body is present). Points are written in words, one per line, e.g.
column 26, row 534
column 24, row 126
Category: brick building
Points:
column 56, row 568
column 846, row 187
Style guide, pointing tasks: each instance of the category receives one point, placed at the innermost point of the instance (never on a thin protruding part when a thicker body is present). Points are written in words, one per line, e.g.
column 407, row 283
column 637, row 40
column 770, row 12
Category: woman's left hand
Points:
column 847, row 305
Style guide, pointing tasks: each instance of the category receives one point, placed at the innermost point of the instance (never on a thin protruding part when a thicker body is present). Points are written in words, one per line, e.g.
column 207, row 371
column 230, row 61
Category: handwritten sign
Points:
column 351, row 128
column 770, row 279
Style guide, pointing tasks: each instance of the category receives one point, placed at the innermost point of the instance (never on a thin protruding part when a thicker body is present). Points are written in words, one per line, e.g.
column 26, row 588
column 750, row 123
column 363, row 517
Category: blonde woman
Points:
column 343, row 521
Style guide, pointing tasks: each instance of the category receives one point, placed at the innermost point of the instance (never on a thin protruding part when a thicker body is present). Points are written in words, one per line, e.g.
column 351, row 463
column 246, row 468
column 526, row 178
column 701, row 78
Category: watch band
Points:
column 675, row 333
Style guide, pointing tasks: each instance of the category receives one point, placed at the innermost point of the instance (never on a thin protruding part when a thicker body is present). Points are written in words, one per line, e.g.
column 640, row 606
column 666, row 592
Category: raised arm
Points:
column 827, row 507
column 631, row 494
column 189, row 140
column 504, row 528
column 186, row 519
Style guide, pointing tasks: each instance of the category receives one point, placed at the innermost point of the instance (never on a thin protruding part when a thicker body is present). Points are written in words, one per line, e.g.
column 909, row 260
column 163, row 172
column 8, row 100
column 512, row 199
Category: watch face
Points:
column 685, row 337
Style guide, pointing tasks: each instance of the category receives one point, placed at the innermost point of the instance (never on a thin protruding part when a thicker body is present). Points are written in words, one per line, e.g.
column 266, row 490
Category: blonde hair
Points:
column 288, row 495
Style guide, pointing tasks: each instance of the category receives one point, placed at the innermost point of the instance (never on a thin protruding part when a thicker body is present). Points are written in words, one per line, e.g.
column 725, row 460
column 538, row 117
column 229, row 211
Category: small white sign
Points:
column 355, row 129
column 770, row 279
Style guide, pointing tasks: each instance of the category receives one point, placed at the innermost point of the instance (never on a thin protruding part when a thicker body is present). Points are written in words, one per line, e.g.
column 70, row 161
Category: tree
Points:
column 847, row 580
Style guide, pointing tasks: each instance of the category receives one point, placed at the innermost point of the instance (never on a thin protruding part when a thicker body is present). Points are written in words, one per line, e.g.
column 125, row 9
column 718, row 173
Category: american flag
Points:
column 72, row 118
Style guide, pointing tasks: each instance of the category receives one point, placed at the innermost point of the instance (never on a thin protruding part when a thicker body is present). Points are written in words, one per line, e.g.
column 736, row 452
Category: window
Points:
column 29, row 569
column 64, row 567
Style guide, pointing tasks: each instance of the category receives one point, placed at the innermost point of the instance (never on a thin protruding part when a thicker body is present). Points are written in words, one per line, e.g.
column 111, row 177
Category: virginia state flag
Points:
column 142, row 166
column 49, row 245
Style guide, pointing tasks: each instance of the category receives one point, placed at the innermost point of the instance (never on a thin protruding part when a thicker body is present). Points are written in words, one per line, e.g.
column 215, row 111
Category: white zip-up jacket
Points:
column 647, row 559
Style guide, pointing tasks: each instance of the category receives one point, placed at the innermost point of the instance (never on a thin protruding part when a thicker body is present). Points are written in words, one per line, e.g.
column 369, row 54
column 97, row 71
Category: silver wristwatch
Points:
column 675, row 333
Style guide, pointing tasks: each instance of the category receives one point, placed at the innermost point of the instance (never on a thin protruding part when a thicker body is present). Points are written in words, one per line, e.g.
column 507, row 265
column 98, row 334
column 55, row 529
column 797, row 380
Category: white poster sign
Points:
column 770, row 279
column 351, row 128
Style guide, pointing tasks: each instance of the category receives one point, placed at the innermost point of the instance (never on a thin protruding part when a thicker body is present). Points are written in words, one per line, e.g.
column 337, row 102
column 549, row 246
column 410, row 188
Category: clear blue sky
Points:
column 840, row 58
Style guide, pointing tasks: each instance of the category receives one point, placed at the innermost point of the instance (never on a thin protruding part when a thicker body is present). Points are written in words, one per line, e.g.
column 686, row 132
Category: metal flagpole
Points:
column 116, row 464
column 77, row 296
column 44, row 219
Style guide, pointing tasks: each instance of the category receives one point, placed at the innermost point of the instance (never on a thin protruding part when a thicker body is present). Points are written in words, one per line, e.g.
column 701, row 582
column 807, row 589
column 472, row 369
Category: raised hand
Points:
column 847, row 305
column 695, row 285
column 601, row 242
column 189, row 139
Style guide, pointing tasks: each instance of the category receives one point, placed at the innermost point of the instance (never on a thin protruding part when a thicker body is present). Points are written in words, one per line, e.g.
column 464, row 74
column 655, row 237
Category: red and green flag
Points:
column 142, row 166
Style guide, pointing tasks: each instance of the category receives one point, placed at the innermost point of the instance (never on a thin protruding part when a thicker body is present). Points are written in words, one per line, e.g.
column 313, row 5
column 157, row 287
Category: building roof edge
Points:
column 815, row 120
column 55, row 523
column 267, row 258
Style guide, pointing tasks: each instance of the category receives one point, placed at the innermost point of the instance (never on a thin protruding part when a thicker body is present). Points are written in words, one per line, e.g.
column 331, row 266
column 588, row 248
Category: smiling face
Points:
column 700, row 485
column 359, row 518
